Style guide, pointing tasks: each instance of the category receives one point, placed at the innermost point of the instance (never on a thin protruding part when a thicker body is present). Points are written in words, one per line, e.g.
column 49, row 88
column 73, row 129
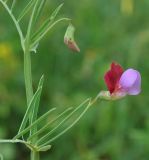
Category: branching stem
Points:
column 15, row 22
column 27, row 44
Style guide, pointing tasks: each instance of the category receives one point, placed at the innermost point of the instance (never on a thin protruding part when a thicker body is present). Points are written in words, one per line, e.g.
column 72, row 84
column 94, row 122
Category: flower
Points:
column 113, row 76
column 121, row 83
column 69, row 39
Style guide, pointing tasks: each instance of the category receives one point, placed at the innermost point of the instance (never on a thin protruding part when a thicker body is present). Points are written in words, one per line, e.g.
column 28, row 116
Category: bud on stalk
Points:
column 69, row 38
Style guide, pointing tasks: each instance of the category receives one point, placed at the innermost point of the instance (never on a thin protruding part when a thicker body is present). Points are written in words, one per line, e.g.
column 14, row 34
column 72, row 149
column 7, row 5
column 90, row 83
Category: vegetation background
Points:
column 107, row 30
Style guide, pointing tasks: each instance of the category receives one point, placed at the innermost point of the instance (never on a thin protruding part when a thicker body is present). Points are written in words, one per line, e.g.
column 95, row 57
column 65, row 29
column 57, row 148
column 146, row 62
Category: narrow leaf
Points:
column 31, row 22
column 47, row 29
column 5, row 1
column 67, row 128
column 26, row 10
column 13, row 4
column 29, row 109
column 40, row 8
column 43, row 117
column 44, row 148
column 47, row 22
column 1, row 157
column 36, row 105
column 49, row 123
column 56, row 11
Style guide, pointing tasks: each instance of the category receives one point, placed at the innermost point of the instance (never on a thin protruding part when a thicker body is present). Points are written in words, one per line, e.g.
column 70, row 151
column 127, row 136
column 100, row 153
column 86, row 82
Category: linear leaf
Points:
column 43, row 117
column 1, row 157
column 13, row 4
column 56, row 11
column 29, row 109
column 40, row 36
column 14, row 21
column 36, row 105
column 25, row 10
column 47, row 23
column 63, row 121
column 44, row 148
column 67, row 128
column 40, row 8
column 49, row 123
column 31, row 23
column 5, row 1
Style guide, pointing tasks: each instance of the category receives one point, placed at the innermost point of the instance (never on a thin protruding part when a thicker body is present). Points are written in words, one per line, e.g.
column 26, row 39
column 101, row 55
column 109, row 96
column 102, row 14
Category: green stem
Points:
column 27, row 71
column 1, row 157
column 34, row 155
column 15, row 22
column 12, row 141
column 28, row 75
column 27, row 59
column 18, row 141
column 28, row 84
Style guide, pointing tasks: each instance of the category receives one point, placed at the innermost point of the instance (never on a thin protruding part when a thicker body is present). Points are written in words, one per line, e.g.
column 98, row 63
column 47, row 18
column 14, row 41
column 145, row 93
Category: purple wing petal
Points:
column 130, row 82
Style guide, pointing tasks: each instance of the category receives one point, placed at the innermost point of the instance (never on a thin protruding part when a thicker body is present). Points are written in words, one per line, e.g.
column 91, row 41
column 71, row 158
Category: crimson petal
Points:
column 112, row 77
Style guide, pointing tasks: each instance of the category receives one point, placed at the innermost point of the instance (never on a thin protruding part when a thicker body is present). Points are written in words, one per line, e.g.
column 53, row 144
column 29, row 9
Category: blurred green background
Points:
column 106, row 30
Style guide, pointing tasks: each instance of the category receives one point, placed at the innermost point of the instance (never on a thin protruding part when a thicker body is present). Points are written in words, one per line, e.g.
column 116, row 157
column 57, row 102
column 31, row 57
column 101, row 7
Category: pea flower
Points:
column 69, row 38
column 121, row 83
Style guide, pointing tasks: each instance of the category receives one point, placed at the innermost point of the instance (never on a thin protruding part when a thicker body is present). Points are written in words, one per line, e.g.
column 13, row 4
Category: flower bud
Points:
column 69, row 38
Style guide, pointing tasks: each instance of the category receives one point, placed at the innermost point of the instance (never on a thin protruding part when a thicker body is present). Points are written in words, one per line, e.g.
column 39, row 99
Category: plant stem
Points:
column 27, row 59
column 28, row 75
column 34, row 155
column 28, row 84
column 27, row 72
column 15, row 22
column 18, row 141
column 12, row 141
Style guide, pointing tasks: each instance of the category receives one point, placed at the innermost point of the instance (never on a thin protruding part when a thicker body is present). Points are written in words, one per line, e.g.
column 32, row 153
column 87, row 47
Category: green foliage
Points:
column 25, row 10
column 33, row 99
column 43, row 117
column 30, row 109
column 117, row 130
column 35, row 110
column 46, row 26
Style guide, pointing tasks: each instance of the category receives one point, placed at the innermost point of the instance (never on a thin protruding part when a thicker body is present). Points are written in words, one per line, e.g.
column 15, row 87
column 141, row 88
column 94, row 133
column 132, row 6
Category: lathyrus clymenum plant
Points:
column 36, row 138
